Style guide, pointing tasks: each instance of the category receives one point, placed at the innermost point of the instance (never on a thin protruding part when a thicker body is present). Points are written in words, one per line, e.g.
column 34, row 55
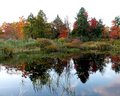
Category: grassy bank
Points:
column 47, row 47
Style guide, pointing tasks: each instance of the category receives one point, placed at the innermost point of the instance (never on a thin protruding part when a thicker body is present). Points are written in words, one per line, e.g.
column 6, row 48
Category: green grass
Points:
column 47, row 47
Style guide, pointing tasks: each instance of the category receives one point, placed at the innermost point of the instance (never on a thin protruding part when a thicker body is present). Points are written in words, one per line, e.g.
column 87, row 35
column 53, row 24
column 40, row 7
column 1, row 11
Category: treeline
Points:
column 35, row 27
column 84, row 28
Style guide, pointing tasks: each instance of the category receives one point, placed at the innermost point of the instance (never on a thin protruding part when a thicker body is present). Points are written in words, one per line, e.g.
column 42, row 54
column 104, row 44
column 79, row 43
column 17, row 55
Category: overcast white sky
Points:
column 11, row 10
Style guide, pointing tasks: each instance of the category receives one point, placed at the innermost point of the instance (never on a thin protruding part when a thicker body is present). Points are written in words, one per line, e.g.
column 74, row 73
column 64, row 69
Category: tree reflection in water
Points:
column 116, row 63
column 39, row 71
column 88, row 63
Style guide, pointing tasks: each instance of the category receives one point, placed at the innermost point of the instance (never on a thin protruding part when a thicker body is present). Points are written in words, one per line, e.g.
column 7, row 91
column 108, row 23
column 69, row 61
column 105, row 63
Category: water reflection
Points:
column 88, row 63
column 116, row 63
column 63, row 77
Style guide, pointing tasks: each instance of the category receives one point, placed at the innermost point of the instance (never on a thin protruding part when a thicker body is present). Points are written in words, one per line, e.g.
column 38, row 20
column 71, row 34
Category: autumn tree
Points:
column 87, row 29
column 115, row 28
column 65, row 29
column 13, row 30
column 96, row 29
column 19, row 27
column 61, row 29
column 8, row 30
column 57, row 25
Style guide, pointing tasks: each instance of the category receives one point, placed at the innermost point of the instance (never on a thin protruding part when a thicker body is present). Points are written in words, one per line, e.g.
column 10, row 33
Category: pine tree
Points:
column 81, row 25
column 37, row 27
column 85, row 29
column 29, row 27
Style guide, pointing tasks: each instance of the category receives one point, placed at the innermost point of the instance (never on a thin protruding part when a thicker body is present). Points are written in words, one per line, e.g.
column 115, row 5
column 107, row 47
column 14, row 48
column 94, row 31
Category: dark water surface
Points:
column 84, row 75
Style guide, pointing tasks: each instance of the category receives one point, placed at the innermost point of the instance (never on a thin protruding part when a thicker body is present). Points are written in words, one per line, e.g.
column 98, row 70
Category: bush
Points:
column 47, row 45
column 7, row 51
column 101, row 46
column 31, row 45
column 104, row 47
column 73, row 44
column 88, row 46
column 62, row 40
column 51, row 48
column 44, row 42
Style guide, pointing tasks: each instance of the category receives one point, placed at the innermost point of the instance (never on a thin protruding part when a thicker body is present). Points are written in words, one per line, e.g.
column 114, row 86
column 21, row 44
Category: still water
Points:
column 84, row 75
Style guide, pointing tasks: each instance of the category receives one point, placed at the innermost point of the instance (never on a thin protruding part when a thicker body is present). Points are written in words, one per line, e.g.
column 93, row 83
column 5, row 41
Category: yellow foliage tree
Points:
column 20, row 25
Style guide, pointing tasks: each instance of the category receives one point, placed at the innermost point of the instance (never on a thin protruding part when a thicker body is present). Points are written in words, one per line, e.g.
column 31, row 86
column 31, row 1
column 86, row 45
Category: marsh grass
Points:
column 64, row 46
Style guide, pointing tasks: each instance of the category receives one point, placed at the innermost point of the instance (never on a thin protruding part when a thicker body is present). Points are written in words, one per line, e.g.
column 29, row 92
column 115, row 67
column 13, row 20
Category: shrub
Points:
column 62, row 40
column 71, row 45
column 31, row 45
column 88, row 46
column 7, row 51
column 47, row 45
column 101, row 46
column 43, row 42
column 104, row 46
column 51, row 48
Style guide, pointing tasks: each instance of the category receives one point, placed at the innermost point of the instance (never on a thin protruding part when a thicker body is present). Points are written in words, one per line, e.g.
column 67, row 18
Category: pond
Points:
column 83, row 75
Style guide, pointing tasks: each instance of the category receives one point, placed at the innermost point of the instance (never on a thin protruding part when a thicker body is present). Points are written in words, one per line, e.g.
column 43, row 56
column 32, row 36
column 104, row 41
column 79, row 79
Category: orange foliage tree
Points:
column 20, row 25
column 13, row 30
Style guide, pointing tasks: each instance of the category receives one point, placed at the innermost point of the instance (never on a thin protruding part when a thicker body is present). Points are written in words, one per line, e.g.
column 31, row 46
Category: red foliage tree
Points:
column 64, row 31
column 115, row 61
column 8, row 30
column 114, row 33
column 115, row 28
column 93, row 23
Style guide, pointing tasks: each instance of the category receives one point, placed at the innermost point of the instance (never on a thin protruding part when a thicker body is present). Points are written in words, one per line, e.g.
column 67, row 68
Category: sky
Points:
column 107, row 10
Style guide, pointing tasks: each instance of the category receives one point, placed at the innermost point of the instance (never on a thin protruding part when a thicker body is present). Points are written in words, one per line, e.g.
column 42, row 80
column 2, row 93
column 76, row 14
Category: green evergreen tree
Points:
column 82, row 25
column 85, row 29
column 37, row 27
column 29, row 27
